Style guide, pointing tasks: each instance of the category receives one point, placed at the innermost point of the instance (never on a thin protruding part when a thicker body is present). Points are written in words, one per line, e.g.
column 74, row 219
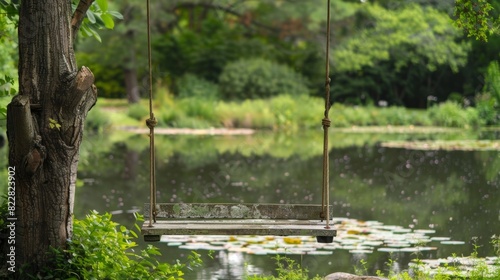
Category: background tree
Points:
column 201, row 37
column 45, row 122
column 395, row 55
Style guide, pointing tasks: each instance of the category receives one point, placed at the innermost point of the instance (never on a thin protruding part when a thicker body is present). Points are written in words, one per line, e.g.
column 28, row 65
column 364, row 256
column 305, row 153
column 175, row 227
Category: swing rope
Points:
column 151, row 123
column 325, row 201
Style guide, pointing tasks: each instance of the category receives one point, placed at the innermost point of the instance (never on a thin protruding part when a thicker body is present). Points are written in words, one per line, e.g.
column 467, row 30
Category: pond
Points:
column 449, row 194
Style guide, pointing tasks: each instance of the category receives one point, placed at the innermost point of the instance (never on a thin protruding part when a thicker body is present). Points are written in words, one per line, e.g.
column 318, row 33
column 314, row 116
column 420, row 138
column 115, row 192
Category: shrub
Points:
column 198, row 108
column 192, row 86
column 97, row 120
column 138, row 111
column 492, row 81
column 310, row 111
column 451, row 114
column 101, row 249
column 337, row 116
column 284, row 108
column 248, row 114
column 257, row 77
column 487, row 108
column 287, row 269
column 169, row 115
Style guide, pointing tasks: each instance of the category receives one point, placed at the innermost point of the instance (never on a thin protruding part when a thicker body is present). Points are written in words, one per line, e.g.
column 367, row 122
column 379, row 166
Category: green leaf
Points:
column 116, row 14
column 99, row 23
column 85, row 30
column 90, row 16
column 54, row 124
column 95, row 34
column 108, row 21
column 103, row 5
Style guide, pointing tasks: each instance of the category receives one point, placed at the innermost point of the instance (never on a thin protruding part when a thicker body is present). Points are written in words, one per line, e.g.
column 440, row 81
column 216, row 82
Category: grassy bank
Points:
column 278, row 113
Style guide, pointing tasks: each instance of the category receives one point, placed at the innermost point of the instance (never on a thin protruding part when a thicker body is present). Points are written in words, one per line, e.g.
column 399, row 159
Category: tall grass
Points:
column 285, row 112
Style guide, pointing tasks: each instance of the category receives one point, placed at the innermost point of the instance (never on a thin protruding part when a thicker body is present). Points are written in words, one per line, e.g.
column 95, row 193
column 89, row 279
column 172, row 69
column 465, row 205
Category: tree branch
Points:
column 79, row 15
column 227, row 10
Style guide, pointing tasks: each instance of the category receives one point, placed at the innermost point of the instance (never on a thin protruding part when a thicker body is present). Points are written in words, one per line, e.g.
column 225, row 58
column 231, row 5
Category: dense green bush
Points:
column 259, row 78
column 138, row 111
column 488, row 103
column 247, row 114
column 101, row 249
column 97, row 120
column 451, row 114
column 487, row 108
column 345, row 116
column 193, row 86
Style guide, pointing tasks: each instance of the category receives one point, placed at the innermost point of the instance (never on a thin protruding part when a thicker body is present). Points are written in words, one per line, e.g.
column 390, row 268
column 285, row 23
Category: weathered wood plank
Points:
column 237, row 211
column 228, row 227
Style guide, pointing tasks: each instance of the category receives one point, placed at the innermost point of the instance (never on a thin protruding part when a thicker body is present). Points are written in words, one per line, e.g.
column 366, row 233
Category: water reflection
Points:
column 455, row 193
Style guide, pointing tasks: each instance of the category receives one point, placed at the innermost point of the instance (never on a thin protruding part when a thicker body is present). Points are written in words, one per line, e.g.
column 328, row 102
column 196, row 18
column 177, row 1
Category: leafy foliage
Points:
column 8, row 54
column 97, row 120
column 53, row 124
column 488, row 103
column 287, row 269
column 473, row 16
column 452, row 114
column 254, row 78
column 400, row 55
column 193, row 86
column 205, row 51
column 406, row 36
column 97, row 17
column 102, row 249
column 6, row 90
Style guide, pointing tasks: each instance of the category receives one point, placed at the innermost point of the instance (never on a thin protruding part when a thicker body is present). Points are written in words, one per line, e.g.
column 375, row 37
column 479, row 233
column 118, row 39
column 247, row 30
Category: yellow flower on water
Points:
column 292, row 240
column 232, row 239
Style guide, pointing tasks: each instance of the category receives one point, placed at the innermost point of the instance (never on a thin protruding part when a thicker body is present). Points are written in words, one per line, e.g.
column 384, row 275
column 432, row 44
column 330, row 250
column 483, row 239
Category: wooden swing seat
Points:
column 237, row 219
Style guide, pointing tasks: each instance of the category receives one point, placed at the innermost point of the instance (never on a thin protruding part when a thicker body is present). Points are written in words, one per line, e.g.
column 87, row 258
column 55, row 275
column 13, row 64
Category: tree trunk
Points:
column 131, row 85
column 44, row 127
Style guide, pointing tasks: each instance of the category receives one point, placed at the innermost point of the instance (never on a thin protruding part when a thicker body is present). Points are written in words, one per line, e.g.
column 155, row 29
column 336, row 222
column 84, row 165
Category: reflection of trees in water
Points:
column 131, row 165
column 457, row 193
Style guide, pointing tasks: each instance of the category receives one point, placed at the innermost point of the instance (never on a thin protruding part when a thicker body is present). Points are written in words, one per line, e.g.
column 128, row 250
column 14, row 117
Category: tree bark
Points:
column 45, row 127
column 131, row 85
column 130, row 70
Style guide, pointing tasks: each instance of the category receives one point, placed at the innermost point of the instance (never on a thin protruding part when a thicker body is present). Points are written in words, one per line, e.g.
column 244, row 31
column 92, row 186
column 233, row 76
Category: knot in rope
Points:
column 327, row 83
column 326, row 122
column 151, row 122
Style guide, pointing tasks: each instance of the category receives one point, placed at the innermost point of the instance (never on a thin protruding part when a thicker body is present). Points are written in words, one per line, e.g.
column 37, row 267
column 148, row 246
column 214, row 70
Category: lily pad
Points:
column 452, row 242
